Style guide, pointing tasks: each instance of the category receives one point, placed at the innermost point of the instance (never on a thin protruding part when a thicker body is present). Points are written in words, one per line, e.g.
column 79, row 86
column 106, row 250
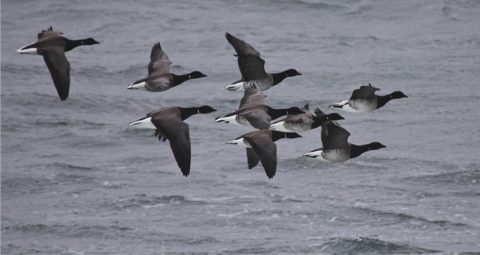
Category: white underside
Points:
column 32, row 51
column 239, row 141
column 279, row 126
column 143, row 124
column 230, row 119
column 317, row 155
column 239, row 86
column 344, row 106
column 140, row 85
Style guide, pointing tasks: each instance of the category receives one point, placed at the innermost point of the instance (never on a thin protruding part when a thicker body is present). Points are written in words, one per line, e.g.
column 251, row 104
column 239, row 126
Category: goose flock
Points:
column 270, row 124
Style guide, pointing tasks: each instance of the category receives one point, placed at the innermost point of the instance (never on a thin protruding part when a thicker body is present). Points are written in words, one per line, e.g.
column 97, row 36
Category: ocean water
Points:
column 76, row 180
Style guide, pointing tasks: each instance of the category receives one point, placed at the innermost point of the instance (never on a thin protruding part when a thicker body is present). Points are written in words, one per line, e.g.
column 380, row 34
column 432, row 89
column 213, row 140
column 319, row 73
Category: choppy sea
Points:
column 76, row 180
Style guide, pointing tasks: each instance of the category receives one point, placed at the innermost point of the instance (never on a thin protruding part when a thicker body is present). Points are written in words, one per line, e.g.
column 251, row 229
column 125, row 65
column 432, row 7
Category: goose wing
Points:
column 251, row 66
column 59, row 68
column 266, row 150
column 177, row 132
column 336, row 138
column 159, row 61
column 252, row 97
column 258, row 118
column 241, row 47
column 252, row 158
column 364, row 92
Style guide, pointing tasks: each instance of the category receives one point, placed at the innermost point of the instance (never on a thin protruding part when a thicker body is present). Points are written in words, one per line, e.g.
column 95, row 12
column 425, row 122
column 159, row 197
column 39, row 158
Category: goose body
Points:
column 159, row 76
column 298, row 123
column 252, row 68
column 364, row 99
column 260, row 146
column 52, row 46
column 168, row 125
column 336, row 147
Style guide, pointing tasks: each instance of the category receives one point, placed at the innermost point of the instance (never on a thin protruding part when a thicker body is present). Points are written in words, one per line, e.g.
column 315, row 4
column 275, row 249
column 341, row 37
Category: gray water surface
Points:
column 76, row 180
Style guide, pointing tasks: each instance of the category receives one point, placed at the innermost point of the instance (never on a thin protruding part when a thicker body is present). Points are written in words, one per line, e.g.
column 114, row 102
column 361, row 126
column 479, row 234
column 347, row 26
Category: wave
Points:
column 464, row 177
column 403, row 217
column 365, row 245
column 74, row 231
column 147, row 201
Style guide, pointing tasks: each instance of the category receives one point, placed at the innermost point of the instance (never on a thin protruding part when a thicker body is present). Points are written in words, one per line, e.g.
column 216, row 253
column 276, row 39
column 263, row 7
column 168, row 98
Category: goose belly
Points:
column 363, row 105
column 335, row 155
column 297, row 127
column 280, row 126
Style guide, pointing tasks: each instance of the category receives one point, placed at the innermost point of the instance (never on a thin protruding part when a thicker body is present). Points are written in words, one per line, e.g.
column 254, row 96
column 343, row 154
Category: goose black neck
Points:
column 278, row 77
column 275, row 113
column 382, row 100
column 357, row 150
column 188, row 111
column 71, row 44
column 178, row 79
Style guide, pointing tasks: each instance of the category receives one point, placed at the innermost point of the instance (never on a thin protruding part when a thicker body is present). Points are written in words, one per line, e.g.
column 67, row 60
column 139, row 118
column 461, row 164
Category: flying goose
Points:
column 159, row 76
column 257, row 116
column 297, row 123
column 252, row 68
column 364, row 99
column 52, row 46
column 168, row 124
column 336, row 147
column 261, row 147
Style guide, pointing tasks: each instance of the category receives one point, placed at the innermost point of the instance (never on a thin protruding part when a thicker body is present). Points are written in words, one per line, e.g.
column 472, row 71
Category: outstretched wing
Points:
column 251, row 66
column 364, row 92
column 177, row 132
column 240, row 46
column 252, row 158
column 258, row 119
column 337, row 137
column 266, row 150
column 59, row 68
column 159, row 61
column 252, row 97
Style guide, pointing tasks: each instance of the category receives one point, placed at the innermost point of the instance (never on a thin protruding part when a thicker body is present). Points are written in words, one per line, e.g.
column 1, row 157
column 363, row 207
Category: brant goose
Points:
column 365, row 100
column 257, row 116
column 336, row 147
column 261, row 147
column 159, row 77
column 168, row 124
column 298, row 123
column 52, row 46
column 251, row 97
column 252, row 68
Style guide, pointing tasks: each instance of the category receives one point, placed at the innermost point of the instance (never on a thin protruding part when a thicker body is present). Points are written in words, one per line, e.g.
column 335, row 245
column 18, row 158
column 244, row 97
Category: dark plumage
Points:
column 159, row 76
column 252, row 68
column 261, row 147
column 52, row 46
column 168, row 125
